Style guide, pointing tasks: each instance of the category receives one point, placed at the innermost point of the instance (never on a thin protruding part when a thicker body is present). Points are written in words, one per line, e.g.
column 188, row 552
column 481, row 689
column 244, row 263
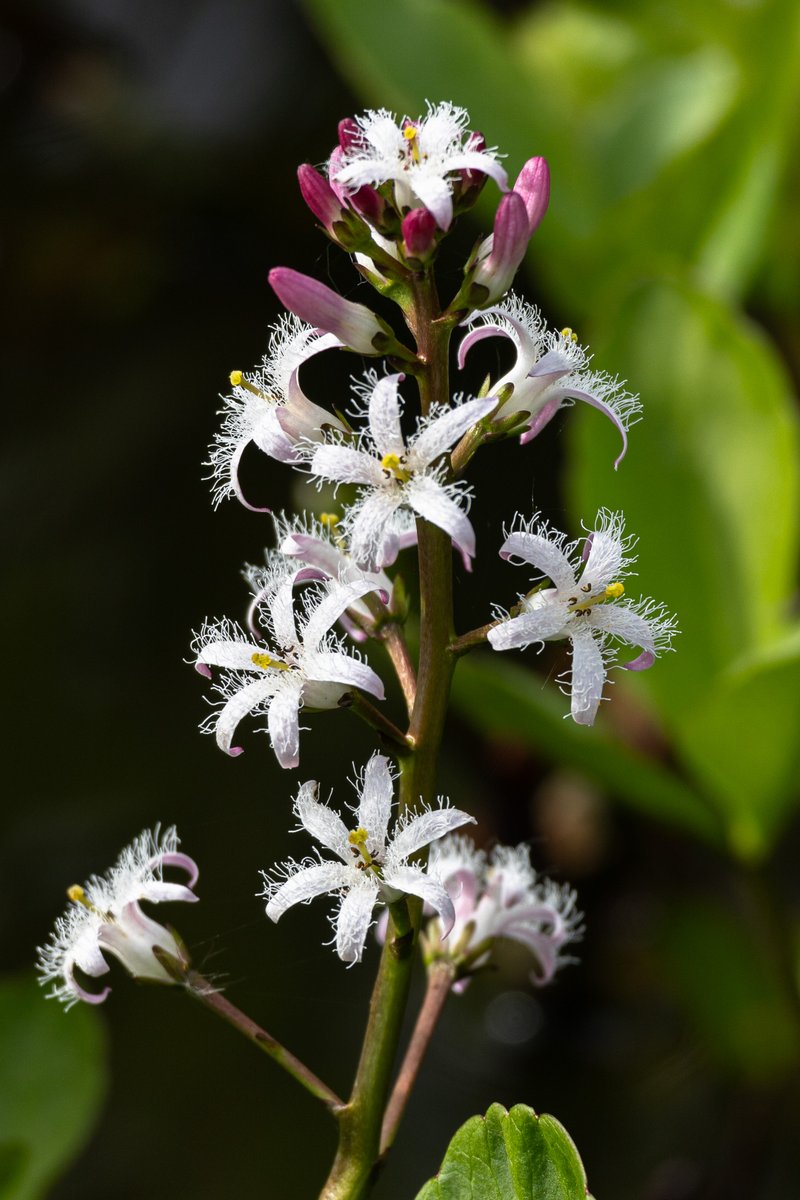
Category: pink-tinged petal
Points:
column 434, row 193
column 334, row 166
column 281, row 611
column 606, row 558
column 283, row 720
column 307, row 884
column 430, row 500
column 530, row 627
column 316, row 551
column 240, row 705
column 553, row 365
column 477, row 335
column 369, row 528
column 413, row 881
column 474, row 160
column 543, row 417
column 623, row 622
column 588, row 676
column 542, row 945
column 339, row 597
column 319, row 196
column 447, row 428
column 425, row 828
column 509, row 243
column 419, row 233
column 533, row 185
column 354, row 918
column 541, row 553
column 326, row 826
column 596, row 402
column 384, row 416
column 377, row 793
column 231, row 656
column 236, row 459
column 174, row 858
column 86, row 954
column 81, row 992
column 343, row 464
column 313, row 301
column 328, row 666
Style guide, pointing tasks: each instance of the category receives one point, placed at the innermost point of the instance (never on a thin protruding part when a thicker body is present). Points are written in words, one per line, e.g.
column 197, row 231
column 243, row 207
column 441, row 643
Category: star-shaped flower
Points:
column 105, row 918
column 308, row 668
column 583, row 606
column 395, row 474
column 424, row 158
column 501, row 897
column 551, row 370
column 370, row 864
column 268, row 407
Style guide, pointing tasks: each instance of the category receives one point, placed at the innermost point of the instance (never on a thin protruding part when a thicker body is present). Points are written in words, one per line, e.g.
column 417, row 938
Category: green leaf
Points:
column 505, row 700
column 721, row 972
column 710, row 485
column 512, row 1155
column 52, row 1084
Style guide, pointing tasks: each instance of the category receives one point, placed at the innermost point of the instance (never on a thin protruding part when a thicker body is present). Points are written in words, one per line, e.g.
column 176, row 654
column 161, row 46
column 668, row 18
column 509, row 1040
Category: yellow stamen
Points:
column 236, row 378
column 78, row 896
column 329, row 520
column 358, row 840
column 358, row 837
column 569, row 334
column 410, row 133
column 266, row 661
column 394, row 465
column 614, row 591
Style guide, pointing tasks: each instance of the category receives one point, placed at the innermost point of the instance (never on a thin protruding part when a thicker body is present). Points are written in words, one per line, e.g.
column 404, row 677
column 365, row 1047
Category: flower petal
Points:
column 416, row 882
column 607, row 409
column 384, row 416
column 431, row 501
column 283, row 719
column 425, row 828
column 588, row 676
column 369, row 526
column 434, row 193
column 232, row 656
column 354, row 918
column 630, row 626
column 240, row 705
column 307, row 884
column 546, row 621
column 330, row 666
column 542, row 553
column 477, row 335
column 446, row 429
column 339, row 597
column 322, row 822
column 376, row 798
column 343, row 464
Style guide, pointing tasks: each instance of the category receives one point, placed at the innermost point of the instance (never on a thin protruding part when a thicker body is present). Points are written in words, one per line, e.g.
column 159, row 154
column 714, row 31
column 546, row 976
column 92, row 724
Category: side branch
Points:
column 201, row 990
column 373, row 716
column 468, row 641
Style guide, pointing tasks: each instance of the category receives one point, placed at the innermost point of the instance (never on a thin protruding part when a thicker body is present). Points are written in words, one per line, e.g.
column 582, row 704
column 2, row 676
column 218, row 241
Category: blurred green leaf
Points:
column 722, row 974
column 52, row 1084
column 711, row 486
column 505, row 700
column 512, row 1155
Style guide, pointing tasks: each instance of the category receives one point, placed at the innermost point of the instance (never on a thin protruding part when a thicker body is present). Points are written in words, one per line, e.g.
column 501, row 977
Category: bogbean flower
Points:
column 583, row 605
column 269, row 408
column 304, row 666
column 551, row 370
column 319, row 544
column 396, row 475
column 105, row 918
column 425, row 159
column 369, row 866
column 499, row 897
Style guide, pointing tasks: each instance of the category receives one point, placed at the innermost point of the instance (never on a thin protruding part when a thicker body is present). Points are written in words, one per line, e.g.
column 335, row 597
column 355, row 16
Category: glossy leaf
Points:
column 52, row 1084
column 514, row 1155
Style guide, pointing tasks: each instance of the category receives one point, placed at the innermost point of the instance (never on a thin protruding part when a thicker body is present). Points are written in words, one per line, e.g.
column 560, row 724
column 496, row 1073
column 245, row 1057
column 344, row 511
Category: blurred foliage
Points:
column 509, row 1156
column 52, row 1085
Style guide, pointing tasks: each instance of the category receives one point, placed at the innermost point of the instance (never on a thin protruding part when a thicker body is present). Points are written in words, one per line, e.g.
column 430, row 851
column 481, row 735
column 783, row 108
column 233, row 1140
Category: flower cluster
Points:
column 495, row 897
column 105, row 917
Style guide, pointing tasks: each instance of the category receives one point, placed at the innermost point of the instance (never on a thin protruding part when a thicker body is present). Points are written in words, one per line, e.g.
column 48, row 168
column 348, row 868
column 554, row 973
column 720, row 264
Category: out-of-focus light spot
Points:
column 513, row 1018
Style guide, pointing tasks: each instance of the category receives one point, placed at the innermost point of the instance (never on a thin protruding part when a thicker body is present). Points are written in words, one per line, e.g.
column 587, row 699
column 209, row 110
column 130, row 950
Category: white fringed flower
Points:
column 370, row 864
column 423, row 158
column 105, row 918
column 501, row 897
column 394, row 474
column 268, row 407
column 551, row 370
column 307, row 668
column 583, row 606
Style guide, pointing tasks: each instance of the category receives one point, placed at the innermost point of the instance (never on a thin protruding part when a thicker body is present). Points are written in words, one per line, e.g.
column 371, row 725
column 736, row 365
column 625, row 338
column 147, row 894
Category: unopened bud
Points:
column 533, row 185
column 419, row 233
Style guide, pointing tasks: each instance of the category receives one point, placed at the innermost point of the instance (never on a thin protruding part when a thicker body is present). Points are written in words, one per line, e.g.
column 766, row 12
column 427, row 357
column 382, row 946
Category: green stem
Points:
column 206, row 994
column 366, row 710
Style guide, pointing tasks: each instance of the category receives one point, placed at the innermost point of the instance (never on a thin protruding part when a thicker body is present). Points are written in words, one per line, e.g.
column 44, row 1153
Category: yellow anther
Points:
column 78, row 896
column 410, row 133
column 614, row 591
column 569, row 334
column 394, row 465
column 266, row 661
column 329, row 520
column 358, row 837
column 236, row 378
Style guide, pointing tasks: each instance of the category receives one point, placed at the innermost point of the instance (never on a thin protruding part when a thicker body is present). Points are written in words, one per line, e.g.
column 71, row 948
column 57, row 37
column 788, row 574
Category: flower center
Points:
column 613, row 591
column 394, row 466
column 238, row 380
column 569, row 334
column 411, row 134
column 330, row 521
column 78, row 896
column 265, row 661
column 358, row 843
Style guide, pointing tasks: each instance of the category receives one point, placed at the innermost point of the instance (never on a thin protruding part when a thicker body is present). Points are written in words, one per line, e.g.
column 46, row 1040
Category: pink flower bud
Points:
column 369, row 203
column 533, row 185
column 419, row 233
column 506, row 249
column 325, row 309
column 348, row 133
column 319, row 196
